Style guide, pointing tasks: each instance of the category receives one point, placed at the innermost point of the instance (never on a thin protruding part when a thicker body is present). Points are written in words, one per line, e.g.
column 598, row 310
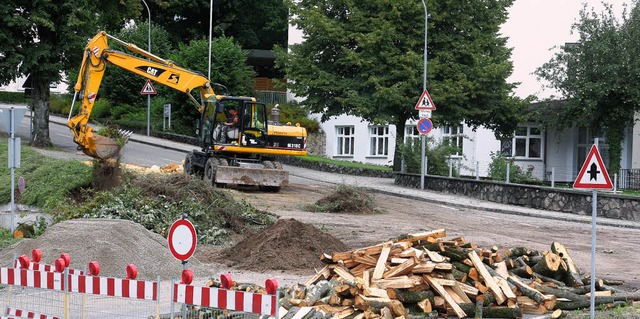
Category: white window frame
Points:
column 411, row 134
column 527, row 137
column 454, row 136
column 379, row 141
column 345, row 139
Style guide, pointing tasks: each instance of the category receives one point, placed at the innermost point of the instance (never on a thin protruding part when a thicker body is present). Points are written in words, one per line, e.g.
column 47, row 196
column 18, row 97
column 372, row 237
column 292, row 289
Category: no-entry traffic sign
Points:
column 182, row 239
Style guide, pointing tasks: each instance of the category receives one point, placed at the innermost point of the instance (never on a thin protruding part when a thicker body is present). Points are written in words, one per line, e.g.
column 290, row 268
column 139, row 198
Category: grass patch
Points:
column 345, row 199
column 68, row 189
column 319, row 159
column 48, row 181
column 614, row 312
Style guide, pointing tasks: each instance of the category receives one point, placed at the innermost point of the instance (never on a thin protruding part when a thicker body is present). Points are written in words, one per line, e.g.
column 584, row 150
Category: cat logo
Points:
column 173, row 78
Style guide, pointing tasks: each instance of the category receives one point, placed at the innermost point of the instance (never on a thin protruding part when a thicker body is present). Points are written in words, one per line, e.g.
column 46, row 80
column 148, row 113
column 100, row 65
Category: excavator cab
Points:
column 250, row 129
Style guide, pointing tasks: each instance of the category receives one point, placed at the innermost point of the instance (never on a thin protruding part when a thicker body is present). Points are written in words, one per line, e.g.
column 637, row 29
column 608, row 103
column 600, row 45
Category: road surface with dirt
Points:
column 617, row 248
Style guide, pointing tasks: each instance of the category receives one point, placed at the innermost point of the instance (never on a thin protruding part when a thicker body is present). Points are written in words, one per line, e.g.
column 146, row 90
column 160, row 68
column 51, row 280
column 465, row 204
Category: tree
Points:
column 598, row 76
column 253, row 24
column 365, row 58
column 228, row 67
column 41, row 39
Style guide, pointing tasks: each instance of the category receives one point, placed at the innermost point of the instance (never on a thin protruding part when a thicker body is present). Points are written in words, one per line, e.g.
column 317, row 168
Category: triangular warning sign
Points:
column 425, row 102
column 148, row 88
column 593, row 173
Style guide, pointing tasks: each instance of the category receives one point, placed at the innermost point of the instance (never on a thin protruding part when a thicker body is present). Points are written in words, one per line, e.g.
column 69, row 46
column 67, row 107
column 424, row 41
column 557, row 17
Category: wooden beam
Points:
column 488, row 279
column 442, row 292
column 381, row 265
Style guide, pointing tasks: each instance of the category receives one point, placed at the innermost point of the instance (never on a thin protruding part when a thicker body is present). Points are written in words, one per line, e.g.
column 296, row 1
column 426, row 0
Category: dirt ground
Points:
column 617, row 248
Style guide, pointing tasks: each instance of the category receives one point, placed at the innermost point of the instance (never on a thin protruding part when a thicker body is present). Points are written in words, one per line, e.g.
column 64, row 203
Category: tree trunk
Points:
column 397, row 157
column 40, row 100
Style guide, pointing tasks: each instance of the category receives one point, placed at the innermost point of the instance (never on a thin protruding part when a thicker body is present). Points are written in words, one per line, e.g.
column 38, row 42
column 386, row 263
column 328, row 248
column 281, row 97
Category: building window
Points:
column 411, row 134
column 379, row 140
column 452, row 136
column 527, row 143
column 345, row 135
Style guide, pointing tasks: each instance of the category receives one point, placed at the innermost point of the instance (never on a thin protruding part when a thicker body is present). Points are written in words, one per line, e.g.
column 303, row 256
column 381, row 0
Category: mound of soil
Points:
column 346, row 199
column 114, row 243
column 286, row 245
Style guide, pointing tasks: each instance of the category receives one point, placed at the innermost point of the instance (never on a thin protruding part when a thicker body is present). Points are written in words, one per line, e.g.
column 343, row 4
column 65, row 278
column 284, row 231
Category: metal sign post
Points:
column 8, row 122
column 593, row 175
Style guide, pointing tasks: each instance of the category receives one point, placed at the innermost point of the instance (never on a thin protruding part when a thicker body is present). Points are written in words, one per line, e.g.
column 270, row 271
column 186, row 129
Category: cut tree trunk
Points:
column 572, row 277
column 548, row 265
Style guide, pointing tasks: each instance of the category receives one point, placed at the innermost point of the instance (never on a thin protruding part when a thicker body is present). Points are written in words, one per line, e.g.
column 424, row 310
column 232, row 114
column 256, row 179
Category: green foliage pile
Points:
column 498, row 170
column 157, row 200
column 345, row 199
column 48, row 181
column 437, row 154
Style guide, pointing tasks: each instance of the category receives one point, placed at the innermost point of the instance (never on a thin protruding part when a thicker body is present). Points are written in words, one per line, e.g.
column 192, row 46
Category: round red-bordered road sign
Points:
column 182, row 239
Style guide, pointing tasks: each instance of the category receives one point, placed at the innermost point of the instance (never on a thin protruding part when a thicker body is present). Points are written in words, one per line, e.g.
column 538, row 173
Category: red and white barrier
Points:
column 114, row 287
column 19, row 313
column 265, row 304
column 31, row 278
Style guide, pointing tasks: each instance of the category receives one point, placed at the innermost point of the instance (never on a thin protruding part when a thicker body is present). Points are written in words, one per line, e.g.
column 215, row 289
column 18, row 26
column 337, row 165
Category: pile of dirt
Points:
column 286, row 245
column 346, row 199
column 114, row 243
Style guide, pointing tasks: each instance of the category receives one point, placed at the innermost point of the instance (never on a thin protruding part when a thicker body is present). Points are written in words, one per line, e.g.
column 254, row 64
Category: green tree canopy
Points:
column 44, row 38
column 253, row 24
column 365, row 58
column 598, row 76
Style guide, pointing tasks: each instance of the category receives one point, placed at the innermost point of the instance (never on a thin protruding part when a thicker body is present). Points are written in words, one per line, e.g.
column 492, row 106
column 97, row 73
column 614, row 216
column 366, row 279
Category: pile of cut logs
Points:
column 422, row 273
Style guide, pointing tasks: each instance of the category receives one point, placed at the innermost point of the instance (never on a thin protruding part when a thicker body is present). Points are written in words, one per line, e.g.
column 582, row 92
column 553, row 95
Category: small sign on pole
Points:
column 424, row 126
column 425, row 102
column 148, row 88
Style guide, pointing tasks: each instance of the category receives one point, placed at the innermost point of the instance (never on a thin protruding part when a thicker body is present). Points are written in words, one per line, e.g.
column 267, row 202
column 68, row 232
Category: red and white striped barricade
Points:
column 249, row 302
column 12, row 313
column 114, row 287
column 32, row 278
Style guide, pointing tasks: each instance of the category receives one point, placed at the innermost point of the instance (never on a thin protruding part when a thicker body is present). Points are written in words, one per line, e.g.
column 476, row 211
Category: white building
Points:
column 18, row 86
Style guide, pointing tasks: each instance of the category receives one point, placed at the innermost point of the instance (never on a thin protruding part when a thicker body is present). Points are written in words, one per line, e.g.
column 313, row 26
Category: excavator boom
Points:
column 97, row 55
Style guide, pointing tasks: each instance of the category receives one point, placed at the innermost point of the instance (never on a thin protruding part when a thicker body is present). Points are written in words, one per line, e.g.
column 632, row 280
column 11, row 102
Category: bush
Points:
column 437, row 155
column 60, row 103
column 12, row 97
column 101, row 110
column 498, row 170
column 294, row 113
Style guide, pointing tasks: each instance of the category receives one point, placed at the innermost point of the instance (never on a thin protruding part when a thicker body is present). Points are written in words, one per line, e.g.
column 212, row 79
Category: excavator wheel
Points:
column 222, row 162
column 188, row 166
column 268, row 164
column 210, row 170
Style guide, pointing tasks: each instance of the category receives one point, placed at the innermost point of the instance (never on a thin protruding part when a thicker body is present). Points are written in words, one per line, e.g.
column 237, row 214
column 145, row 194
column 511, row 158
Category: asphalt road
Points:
column 133, row 152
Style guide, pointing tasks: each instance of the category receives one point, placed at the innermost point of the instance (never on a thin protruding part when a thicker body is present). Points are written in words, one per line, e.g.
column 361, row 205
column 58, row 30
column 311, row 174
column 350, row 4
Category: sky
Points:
column 534, row 27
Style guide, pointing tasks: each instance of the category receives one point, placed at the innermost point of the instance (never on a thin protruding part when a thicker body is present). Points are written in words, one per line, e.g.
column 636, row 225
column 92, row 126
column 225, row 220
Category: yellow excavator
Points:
column 242, row 154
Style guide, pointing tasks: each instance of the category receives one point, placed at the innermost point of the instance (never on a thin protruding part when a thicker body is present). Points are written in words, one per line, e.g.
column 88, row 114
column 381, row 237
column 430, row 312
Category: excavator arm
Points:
column 97, row 55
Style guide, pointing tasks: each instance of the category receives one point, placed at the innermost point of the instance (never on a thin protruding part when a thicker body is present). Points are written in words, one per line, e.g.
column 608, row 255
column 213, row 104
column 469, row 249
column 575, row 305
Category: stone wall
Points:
column 539, row 197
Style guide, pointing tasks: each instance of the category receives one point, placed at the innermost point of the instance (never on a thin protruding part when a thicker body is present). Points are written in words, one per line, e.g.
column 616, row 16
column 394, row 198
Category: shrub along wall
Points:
column 539, row 197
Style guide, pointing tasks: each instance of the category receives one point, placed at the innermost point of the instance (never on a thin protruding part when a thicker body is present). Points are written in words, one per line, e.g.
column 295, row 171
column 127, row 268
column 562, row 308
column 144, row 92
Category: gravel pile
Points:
column 113, row 243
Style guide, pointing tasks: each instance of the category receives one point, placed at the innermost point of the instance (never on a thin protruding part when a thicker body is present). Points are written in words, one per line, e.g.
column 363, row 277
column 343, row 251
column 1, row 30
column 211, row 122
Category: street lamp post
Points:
column 148, row 49
column 424, row 88
column 210, row 32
